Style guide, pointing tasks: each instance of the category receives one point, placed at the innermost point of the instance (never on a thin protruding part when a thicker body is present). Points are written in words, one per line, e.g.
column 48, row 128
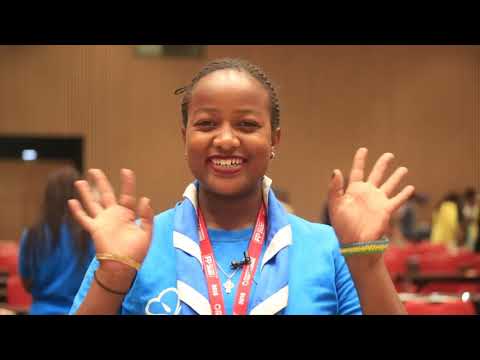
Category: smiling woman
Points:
column 231, row 127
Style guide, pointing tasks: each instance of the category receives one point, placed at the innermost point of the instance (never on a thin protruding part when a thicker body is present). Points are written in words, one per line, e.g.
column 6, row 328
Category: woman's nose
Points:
column 226, row 139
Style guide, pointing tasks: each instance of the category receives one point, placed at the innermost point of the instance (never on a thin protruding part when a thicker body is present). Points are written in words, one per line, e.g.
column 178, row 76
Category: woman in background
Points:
column 447, row 224
column 55, row 251
column 471, row 214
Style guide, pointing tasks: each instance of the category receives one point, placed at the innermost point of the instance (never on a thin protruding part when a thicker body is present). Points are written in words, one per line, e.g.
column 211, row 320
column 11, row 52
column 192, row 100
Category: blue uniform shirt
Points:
column 319, row 281
column 56, row 277
column 228, row 246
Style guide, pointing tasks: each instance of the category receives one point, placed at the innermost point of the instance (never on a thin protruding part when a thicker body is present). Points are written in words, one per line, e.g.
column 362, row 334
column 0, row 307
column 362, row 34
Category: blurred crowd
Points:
column 454, row 221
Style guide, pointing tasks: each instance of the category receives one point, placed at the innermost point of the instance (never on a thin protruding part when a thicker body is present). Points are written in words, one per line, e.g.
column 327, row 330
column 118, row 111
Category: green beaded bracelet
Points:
column 369, row 247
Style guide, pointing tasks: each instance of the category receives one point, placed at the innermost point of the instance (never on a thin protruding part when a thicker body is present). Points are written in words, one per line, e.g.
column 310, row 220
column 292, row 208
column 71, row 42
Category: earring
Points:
column 272, row 155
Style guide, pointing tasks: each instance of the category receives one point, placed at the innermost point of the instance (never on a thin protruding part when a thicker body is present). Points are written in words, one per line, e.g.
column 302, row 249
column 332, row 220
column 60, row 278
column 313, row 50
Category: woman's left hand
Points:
column 361, row 211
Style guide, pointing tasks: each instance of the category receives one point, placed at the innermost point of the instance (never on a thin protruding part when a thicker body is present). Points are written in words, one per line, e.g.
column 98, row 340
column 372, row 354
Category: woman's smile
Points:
column 226, row 166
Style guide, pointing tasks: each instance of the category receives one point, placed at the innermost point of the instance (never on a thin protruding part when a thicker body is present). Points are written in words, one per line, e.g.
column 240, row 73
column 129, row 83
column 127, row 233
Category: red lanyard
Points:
column 210, row 266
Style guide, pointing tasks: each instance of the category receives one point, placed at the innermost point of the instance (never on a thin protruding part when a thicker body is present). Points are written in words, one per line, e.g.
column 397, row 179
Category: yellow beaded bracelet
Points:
column 365, row 247
column 123, row 259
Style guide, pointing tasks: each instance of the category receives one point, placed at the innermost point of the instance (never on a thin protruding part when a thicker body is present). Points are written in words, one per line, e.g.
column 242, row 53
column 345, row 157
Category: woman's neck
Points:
column 230, row 213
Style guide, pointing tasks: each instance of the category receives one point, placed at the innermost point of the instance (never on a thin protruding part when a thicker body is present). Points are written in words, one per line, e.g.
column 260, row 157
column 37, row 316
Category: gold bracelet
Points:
column 123, row 259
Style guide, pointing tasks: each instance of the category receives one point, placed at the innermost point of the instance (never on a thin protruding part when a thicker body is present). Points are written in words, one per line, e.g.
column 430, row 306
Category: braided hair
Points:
column 240, row 65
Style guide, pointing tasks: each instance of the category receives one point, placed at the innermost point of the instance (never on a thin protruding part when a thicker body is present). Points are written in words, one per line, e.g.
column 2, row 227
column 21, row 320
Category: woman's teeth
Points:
column 227, row 163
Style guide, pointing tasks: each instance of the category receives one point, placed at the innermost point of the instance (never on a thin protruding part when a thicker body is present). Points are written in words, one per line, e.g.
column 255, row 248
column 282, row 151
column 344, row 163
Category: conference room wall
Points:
column 420, row 102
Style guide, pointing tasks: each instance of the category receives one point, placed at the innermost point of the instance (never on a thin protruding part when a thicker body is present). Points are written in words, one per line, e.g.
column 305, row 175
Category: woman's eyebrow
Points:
column 246, row 111
column 206, row 109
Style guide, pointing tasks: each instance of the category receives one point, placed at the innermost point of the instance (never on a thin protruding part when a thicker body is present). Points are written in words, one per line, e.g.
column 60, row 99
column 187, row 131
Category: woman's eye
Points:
column 205, row 123
column 248, row 124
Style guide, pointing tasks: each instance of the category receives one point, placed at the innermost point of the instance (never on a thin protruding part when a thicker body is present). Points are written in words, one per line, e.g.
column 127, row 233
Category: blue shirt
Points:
column 57, row 276
column 319, row 281
column 228, row 246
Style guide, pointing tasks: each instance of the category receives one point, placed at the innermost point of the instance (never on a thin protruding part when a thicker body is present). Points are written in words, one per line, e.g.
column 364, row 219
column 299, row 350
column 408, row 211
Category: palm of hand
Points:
column 118, row 222
column 362, row 211
column 110, row 223
column 361, row 214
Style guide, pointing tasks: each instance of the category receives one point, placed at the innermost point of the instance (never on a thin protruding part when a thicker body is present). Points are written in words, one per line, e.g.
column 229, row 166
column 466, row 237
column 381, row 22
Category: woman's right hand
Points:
column 111, row 223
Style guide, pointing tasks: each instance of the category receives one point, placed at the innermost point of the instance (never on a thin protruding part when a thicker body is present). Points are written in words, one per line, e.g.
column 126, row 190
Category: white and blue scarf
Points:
column 271, row 295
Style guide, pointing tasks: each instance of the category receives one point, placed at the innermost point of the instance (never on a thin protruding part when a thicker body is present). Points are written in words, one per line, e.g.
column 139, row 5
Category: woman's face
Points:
column 228, row 139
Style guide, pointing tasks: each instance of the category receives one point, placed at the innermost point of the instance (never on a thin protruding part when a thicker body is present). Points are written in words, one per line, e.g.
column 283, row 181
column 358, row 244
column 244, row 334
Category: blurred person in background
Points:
column 448, row 222
column 55, row 252
column 284, row 198
column 471, row 216
column 408, row 219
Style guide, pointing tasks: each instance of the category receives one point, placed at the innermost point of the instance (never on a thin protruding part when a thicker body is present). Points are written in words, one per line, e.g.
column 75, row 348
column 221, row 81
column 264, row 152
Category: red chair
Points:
column 395, row 261
column 447, row 308
column 437, row 263
column 463, row 259
column 469, row 260
column 9, row 257
column 457, row 288
column 16, row 294
column 426, row 247
column 410, row 249
column 396, row 258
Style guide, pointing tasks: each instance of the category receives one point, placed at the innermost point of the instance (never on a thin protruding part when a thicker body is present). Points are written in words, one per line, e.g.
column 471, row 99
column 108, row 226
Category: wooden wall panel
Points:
column 420, row 102
column 22, row 188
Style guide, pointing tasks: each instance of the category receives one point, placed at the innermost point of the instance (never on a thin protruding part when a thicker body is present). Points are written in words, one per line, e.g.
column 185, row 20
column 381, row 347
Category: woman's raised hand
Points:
column 361, row 211
column 111, row 222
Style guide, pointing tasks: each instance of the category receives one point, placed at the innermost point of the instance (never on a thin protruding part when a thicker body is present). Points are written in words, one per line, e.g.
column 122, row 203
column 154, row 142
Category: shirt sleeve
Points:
column 84, row 287
column 348, row 301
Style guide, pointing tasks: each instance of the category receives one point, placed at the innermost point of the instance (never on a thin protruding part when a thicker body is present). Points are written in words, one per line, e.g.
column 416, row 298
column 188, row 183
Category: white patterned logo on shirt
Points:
column 166, row 303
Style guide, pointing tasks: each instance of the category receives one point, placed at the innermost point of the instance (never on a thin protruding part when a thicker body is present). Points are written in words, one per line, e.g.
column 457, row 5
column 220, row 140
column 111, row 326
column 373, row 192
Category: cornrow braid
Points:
column 240, row 65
